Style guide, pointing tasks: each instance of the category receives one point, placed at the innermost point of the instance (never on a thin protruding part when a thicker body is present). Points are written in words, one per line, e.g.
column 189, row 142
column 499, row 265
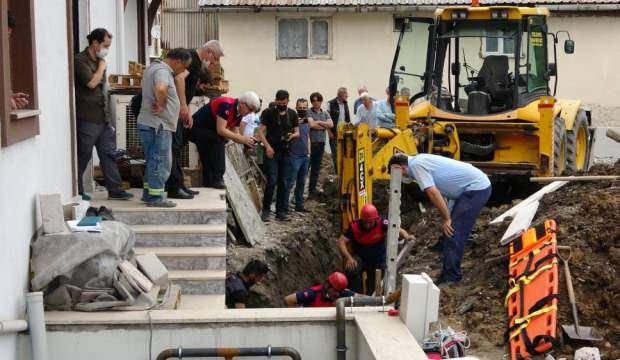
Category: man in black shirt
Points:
column 238, row 285
column 186, row 83
column 278, row 126
column 339, row 112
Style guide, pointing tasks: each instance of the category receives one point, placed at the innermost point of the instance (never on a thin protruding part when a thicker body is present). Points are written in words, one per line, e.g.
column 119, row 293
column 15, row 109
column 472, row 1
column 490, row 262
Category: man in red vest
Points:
column 367, row 237
column 322, row 295
column 215, row 124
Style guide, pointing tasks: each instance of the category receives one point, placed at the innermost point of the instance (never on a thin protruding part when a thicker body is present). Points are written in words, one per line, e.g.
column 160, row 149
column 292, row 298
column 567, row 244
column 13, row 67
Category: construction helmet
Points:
column 337, row 280
column 369, row 212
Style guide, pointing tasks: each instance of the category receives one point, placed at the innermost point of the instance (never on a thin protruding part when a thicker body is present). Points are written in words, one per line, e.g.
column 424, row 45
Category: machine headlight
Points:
column 459, row 15
column 499, row 14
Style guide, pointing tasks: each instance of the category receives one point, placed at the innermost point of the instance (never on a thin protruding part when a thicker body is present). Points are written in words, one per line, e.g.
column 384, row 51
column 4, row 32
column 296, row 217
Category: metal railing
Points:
column 229, row 353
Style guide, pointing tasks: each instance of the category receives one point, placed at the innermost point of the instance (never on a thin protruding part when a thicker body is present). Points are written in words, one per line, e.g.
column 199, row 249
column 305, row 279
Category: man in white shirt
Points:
column 367, row 112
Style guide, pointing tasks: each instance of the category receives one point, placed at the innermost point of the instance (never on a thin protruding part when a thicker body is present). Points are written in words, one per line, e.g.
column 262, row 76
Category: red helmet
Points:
column 337, row 280
column 369, row 212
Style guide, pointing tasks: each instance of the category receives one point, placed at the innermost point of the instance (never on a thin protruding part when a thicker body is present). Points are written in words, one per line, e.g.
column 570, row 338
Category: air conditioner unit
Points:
column 127, row 133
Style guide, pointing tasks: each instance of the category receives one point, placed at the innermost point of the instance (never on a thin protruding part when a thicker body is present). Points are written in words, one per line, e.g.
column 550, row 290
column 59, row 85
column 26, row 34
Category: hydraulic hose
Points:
column 342, row 303
column 229, row 353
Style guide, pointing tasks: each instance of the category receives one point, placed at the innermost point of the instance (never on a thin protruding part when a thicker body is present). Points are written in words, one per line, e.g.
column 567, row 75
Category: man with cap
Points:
column 213, row 125
column 367, row 237
column 322, row 295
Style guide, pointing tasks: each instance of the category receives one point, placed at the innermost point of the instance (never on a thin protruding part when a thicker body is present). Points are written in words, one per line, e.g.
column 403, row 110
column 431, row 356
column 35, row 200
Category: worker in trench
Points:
column 322, row 295
column 367, row 237
column 238, row 285
column 467, row 188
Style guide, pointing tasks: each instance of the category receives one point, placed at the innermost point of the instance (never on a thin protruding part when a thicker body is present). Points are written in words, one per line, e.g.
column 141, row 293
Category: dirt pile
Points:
column 588, row 218
column 300, row 252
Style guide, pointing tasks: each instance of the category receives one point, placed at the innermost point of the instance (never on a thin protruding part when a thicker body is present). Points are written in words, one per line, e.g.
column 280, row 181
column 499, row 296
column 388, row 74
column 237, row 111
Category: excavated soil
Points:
column 588, row 219
column 303, row 251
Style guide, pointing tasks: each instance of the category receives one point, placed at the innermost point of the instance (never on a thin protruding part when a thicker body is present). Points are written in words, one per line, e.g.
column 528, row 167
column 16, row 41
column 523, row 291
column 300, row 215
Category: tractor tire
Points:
column 577, row 145
column 559, row 147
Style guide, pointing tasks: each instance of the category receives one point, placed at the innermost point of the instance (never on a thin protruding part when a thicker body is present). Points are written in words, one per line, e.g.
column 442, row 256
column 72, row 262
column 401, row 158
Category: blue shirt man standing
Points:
column 468, row 190
column 300, row 153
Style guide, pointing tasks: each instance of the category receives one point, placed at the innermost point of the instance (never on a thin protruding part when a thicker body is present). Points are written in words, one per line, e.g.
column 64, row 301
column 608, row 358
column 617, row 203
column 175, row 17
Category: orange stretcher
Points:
column 532, row 296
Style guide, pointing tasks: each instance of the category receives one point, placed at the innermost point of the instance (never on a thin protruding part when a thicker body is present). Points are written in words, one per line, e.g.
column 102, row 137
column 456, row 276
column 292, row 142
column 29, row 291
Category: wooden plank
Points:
column 520, row 223
column 574, row 178
column 613, row 134
column 512, row 212
column 251, row 225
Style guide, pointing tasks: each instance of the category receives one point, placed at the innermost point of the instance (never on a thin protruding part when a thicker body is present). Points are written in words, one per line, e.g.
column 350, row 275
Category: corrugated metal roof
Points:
column 364, row 3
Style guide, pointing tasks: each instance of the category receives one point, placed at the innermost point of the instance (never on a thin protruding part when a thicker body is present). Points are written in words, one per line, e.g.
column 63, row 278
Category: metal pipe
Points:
column 12, row 326
column 229, row 353
column 36, row 323
column 342, row 303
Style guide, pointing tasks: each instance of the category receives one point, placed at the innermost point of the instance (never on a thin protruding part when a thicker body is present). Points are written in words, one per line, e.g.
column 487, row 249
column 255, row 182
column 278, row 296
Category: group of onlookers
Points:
column 291, row 142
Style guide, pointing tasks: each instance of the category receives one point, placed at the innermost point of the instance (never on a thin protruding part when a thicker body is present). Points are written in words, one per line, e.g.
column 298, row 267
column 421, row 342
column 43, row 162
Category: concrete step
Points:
column 175, row 235
column 188, row 258
column 199, row 282
column 208, row 207
column 202, row 302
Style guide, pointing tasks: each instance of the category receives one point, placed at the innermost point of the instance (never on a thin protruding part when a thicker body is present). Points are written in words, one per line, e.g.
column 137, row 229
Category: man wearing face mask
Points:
column 367, row 237
column 278, row 126
column 157, row 121
column 300, row 153
column 93, row 127
column 468, row 190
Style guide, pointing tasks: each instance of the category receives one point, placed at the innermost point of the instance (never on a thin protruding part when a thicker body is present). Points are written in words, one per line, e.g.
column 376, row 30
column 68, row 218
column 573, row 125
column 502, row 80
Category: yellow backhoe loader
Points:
column 472, row 84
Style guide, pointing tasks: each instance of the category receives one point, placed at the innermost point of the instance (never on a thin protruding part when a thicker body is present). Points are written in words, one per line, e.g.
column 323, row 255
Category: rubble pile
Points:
column 588, row 219
column 303, row 252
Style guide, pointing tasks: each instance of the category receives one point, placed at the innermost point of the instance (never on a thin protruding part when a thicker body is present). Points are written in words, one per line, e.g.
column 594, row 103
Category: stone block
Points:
column 153, row 268
column 419, row 304
column 52, row 214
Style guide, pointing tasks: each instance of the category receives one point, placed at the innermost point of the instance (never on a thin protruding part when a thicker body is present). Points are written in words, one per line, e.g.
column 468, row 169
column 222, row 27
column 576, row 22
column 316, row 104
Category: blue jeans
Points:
column 466, row 209
column 156, row 146
column 316, row 157
column 299, row 172
column 278, row 171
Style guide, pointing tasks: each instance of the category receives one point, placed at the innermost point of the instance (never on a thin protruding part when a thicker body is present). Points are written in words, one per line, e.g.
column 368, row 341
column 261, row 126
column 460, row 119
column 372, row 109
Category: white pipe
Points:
column 36, row 321
column 13, row 326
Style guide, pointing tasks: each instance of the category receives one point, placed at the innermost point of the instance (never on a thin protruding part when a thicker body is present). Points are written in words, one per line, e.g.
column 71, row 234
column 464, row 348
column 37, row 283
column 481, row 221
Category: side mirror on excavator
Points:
column 569, row 46
column 456, row 68
column 552, row 69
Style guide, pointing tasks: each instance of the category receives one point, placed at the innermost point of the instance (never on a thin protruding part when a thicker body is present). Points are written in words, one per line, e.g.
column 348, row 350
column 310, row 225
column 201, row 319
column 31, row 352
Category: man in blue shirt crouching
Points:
column 467, row 188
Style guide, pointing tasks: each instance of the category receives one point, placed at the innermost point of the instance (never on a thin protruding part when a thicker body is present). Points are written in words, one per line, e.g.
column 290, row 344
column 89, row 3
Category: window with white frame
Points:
column 496, row 44
column 304, row 38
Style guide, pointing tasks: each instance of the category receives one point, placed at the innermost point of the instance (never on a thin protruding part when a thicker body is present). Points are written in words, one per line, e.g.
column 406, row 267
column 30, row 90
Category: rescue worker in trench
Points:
column 367, row 236
column 467, row 188
column 238, row 285
column 322, row 295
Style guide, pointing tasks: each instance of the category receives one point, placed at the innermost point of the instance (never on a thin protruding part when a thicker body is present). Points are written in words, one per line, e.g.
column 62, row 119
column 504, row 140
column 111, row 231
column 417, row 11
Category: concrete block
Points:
column 587, row 353
column 153, row 269
column 52, row 213
column 419, row 304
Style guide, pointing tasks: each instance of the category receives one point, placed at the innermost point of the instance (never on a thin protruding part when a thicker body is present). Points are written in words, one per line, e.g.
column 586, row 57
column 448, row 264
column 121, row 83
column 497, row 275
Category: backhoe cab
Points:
column 480, row 77
column 471, row 84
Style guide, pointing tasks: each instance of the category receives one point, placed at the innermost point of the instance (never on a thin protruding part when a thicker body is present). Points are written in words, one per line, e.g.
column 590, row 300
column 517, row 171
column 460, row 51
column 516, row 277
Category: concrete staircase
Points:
column 189, row 239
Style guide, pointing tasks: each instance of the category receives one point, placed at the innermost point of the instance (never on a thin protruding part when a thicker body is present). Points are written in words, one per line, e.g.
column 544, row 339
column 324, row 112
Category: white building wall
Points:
column 131, row 30
column 363, row 48
column 362, row 52
column 40, row 164
column 590, row 74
